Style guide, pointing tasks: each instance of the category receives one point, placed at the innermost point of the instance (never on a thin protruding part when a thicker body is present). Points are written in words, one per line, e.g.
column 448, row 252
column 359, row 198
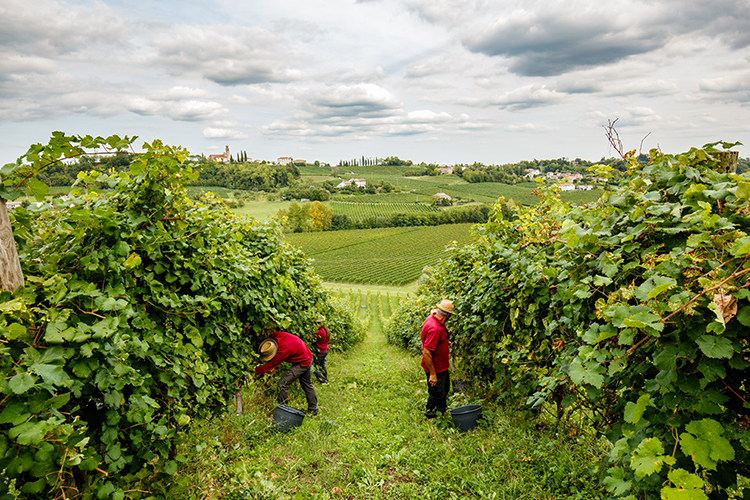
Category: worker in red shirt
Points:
column 283, row 346
column 321, row 343
column 436, row 358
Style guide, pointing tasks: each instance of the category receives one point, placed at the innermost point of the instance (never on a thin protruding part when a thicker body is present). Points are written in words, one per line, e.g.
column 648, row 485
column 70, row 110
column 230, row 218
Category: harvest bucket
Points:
column 285, row 417
column 465, row 417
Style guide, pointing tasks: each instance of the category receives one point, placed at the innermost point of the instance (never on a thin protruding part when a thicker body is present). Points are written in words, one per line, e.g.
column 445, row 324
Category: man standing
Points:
column 436, row 358
column 321, row 343
column 283, row 346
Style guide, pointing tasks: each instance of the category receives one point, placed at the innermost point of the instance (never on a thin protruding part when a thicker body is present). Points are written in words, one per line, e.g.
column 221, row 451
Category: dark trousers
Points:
column 437, row 395
column 298, row 372
column 320, row 362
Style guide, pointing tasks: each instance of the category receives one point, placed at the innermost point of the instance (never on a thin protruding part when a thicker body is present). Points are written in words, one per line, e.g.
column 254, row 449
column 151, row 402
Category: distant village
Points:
column 566, row 181
column 570, row 181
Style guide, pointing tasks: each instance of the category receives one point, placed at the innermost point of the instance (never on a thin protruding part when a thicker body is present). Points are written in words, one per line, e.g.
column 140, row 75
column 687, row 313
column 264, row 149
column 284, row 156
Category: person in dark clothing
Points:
column 436, row 358
column 321, row 343
column 283, row 346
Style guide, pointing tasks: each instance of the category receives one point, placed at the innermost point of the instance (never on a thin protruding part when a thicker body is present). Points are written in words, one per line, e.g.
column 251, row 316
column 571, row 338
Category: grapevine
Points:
column 631, row 312
column 141, row 312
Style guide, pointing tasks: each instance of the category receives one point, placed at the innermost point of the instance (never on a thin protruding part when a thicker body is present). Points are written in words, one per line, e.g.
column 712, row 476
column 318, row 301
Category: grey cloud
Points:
column 601, row 84
column 543, row 38
column 726, row 20
column 227, row 55
column 51, row 29
column 551, row 43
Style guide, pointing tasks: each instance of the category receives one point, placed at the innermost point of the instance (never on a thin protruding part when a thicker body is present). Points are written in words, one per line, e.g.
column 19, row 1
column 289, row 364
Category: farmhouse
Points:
column 567, row 186
column 532, row 172
column 284, row 160
column 445, row 170
column 223, row 158
column 360, row 183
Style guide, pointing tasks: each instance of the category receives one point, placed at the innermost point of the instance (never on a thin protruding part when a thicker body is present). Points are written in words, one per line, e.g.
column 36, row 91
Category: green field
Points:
column 388, row 256
column 416, row 189
column 357, row 211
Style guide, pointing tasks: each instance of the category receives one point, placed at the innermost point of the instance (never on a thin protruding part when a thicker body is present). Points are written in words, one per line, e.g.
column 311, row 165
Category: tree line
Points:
column 307, row 217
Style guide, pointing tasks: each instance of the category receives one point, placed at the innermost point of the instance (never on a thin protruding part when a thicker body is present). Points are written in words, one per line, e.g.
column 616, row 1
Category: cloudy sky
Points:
column 443, row 81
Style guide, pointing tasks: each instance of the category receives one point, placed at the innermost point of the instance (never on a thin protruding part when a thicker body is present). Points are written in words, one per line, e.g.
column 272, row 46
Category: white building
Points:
column 223, row 158
column 284, row 160
column 360, row 183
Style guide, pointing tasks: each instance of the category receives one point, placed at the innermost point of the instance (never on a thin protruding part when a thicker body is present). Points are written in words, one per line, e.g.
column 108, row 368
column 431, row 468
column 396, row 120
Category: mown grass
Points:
column 371, row 441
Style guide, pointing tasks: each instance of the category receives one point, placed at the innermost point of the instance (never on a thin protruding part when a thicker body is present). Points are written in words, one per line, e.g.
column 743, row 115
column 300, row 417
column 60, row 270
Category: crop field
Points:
column 358, row 211
column 387, row 256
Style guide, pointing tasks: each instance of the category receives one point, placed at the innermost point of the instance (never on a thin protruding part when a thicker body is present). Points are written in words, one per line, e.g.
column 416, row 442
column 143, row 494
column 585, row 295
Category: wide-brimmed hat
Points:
column 267, row 349
column 445, row 307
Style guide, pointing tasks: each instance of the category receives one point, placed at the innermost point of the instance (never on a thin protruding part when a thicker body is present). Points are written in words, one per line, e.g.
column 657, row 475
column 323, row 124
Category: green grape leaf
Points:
column 649, row 457
column 688, row 486
column 38, row 189
column 21, row 383
column 704, row 443
column 715, row 347
column 741, row 247
column 615, row 481
column 634, row 411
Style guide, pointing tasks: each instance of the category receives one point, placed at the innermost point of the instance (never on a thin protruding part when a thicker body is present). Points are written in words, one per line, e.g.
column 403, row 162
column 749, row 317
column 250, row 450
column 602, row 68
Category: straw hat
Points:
column 268, row 349
column 445, row 307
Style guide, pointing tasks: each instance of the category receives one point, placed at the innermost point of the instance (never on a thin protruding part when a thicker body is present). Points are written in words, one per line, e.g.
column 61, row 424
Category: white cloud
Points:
column 523, row 98
column 528, row 127
column 459, row 75
column 427, row 116
column 182, row 110
column 223, row 133
column 362, row 100
column 736, row 85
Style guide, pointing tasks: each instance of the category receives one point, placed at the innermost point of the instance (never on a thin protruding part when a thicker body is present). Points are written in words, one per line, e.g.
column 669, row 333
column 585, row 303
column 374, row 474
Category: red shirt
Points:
column 435, row 339
column 290, row 348
column 322, row 342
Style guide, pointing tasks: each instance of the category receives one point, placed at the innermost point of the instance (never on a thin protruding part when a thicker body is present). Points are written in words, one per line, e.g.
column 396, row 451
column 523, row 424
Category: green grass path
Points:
column 371, row 441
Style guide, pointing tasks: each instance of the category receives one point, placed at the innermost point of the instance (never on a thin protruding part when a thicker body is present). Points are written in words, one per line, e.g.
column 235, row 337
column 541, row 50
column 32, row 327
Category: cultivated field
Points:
column 388, row 256
column 357, row 211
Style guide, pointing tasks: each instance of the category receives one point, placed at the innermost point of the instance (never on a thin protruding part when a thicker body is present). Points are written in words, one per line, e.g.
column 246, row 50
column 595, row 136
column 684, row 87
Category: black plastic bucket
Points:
column 465, row 417
column 285, row 417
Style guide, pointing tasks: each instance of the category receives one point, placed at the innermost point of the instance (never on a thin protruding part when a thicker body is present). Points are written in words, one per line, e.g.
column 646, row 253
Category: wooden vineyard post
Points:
column 238, row 402
column 728, row 161
column 11, row 276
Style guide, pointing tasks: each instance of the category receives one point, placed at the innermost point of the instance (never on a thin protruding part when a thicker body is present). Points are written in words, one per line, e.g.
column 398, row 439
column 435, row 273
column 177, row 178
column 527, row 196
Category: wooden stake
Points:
column 11, row 276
